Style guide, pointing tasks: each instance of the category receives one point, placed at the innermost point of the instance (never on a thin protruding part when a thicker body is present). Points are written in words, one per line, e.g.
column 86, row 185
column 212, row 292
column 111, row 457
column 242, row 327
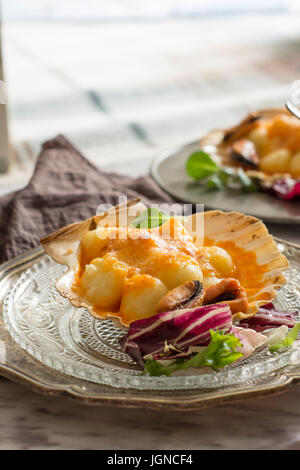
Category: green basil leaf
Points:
column 200, row 165
column 150, row 218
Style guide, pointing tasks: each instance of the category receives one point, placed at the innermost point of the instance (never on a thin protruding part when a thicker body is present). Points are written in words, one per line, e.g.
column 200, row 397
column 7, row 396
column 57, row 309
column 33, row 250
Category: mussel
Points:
column 188, row 295
column 228, row 290
column 244, row 152
column 242, row 128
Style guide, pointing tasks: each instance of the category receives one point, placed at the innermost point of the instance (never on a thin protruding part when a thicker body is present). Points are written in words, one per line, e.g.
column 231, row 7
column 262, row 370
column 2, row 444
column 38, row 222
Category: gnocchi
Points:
column 103, row 281
column 294, row 166
column 176, row 270
column 128, row 271
column 259, row 137
column 94, row 242
column 141, row 295
column 210, row 280
column 276, row 162
column 218, row 258
column 276, row 140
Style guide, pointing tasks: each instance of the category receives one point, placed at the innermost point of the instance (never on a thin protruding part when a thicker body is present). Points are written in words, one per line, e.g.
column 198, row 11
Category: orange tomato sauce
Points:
column 283, row 132
column 140, row 253
column 247, row 269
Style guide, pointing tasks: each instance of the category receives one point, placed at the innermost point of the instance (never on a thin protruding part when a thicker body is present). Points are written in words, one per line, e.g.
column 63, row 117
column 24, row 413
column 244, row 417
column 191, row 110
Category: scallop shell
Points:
column 244, row 231
column 63, row 246
column 250, row 234
column 213, row 141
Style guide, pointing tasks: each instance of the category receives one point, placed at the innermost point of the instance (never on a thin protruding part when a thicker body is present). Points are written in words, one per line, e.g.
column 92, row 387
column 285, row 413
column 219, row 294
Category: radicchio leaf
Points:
column 286, row 188
column 250, row 340
column 269, row 317
column 175, row 333
column 220, row 352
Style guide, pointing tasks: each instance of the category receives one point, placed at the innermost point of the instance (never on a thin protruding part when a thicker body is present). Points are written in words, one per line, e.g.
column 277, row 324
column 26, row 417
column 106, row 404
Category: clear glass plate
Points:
column 71, row 341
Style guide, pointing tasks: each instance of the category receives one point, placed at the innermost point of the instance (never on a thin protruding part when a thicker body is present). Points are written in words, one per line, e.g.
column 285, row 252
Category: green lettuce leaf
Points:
column 288, row 340
column 220, row 352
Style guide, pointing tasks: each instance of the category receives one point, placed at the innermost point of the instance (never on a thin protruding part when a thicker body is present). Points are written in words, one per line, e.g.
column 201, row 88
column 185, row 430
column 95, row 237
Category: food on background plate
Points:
column 261, row 153
column 141, row 267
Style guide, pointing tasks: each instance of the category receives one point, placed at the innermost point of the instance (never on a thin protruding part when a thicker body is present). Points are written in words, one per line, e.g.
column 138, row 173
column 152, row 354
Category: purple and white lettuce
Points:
column 168, row 334
column 250, row 340
column 286, row 188
column 269, row 317
column 205, row 336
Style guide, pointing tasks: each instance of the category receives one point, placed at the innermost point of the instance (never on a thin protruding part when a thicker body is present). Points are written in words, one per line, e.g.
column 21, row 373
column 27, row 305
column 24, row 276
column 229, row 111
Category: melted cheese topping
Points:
column 128, row 270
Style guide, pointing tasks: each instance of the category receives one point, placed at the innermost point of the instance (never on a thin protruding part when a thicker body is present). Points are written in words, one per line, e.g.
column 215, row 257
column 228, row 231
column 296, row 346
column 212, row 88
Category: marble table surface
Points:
column 31, row 421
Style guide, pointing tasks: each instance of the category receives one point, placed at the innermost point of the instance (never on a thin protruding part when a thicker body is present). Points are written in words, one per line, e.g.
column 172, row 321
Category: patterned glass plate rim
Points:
column 70, row 341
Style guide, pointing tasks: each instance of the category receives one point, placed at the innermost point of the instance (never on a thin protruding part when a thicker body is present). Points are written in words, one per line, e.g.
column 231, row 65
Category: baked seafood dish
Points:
column 188, row 291
column 260, row 153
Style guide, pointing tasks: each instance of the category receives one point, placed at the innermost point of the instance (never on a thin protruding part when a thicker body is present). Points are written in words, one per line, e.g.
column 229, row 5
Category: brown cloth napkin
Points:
column 64, row 188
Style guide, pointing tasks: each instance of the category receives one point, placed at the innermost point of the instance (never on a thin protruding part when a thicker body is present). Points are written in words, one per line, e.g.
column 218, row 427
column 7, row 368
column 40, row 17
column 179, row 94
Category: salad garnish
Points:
column 267, row 317
column 151, row 217
column 286, row 188
column 183, row 329
column 201, row 166
column 205, row 336
column 288, row 340
column 220, row 352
